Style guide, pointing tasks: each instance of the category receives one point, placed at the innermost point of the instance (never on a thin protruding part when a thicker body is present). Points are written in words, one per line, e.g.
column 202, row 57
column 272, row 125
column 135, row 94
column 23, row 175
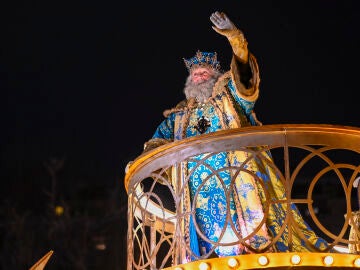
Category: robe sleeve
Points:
column 244, row 69
column 249, row 92
column 166, row 129
column 245, row 95
column 163, row 134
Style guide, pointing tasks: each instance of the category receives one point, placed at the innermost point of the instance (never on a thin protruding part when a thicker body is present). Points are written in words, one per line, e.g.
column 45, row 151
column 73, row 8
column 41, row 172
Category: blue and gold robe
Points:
column 231, row 106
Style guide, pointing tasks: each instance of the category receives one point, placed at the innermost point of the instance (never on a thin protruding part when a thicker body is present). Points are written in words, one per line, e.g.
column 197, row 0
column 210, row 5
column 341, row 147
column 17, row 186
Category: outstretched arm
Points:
column 224, row 26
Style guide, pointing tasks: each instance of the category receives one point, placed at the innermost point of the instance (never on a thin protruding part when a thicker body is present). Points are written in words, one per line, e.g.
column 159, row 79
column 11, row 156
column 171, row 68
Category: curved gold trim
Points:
column 277, row 261
column 269, row 134
column 148, row 213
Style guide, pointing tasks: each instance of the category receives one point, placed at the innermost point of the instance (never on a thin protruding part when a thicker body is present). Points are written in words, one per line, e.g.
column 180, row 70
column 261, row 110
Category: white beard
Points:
column 202, row 91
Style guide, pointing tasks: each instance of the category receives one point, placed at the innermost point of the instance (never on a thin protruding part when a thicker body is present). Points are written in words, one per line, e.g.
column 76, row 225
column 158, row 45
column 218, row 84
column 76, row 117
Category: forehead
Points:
column 201, row 70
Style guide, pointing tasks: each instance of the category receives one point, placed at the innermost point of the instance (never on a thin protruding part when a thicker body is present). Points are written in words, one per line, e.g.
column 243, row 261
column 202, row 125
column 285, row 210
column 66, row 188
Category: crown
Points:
column 203, row 59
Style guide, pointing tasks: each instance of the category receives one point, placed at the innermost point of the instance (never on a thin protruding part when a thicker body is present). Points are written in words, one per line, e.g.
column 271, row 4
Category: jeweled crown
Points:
column 203, row 59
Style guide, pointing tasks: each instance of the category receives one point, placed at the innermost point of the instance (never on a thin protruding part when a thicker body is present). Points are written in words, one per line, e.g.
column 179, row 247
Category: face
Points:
column 201, row 74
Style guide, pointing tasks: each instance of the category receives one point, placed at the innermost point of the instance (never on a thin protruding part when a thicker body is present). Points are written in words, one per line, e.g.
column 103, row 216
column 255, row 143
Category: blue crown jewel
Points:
column 203, row 59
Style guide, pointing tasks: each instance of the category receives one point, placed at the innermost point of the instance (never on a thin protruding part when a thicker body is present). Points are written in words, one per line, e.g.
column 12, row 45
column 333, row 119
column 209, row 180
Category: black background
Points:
column 87, row 81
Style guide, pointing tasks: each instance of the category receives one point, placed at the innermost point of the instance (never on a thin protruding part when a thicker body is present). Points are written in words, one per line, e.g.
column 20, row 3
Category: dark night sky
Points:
column 89, row 80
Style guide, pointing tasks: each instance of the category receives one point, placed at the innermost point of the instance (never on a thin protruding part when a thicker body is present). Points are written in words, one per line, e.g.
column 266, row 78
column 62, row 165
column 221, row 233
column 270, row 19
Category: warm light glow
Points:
column 263, row 260
column 232, row 262
column 100, row 246
column 328, row 260
column 59, row 210
column 295, row 259
column 308, row 260
column 204, row 266
column 357, row 262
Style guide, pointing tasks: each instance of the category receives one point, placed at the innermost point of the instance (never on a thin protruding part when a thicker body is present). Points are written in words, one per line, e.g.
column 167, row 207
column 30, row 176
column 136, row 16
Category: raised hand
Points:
column 224, row 26
column 221, row 21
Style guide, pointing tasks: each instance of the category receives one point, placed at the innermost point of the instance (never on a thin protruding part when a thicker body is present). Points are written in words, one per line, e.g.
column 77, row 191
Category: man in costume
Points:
column 219, row 101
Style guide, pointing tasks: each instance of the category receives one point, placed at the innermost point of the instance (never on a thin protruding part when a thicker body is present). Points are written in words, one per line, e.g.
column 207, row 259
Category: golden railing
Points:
column 318, row 165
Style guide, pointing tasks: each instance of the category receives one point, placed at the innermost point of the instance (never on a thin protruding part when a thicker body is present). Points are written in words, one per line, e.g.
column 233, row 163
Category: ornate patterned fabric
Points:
column 354, row 222
column 211, row 174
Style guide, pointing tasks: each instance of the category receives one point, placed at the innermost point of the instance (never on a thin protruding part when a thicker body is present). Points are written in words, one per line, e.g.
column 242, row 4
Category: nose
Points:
column 198, row 79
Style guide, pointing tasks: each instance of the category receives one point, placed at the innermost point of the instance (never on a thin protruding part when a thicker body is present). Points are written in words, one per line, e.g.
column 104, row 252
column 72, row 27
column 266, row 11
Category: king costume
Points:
column 231, row 105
